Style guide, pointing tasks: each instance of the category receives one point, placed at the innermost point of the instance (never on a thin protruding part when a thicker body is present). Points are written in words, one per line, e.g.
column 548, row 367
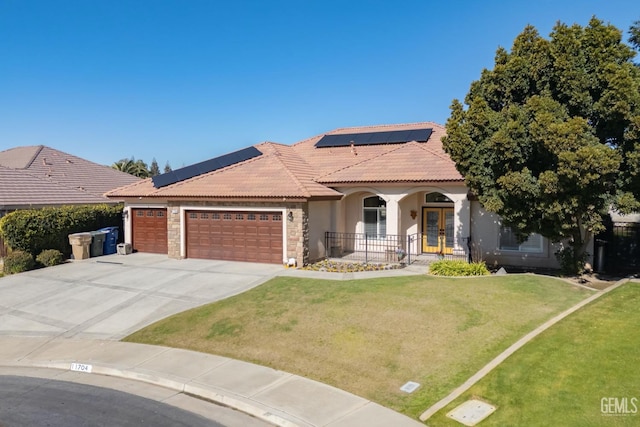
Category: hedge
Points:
column 35, row 230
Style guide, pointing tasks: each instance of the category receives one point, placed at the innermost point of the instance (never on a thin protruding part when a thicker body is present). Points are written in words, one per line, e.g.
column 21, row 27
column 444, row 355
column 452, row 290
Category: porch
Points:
column 389, row 249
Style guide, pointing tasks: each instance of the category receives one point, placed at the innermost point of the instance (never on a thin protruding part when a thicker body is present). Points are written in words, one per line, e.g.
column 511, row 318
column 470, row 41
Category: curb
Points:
column 208, row 394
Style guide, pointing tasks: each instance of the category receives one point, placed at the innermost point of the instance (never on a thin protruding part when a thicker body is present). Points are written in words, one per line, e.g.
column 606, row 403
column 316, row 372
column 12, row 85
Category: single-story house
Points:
column 33, row 177
column 373, row 190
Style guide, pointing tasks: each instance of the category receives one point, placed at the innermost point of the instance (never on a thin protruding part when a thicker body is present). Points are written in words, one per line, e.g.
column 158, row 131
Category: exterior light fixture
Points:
column 290, row 216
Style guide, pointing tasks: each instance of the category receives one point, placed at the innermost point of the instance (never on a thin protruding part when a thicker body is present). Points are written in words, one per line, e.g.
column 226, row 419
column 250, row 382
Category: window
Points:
column 139, row 213
column 193, row 215
column 204, row 216
column 374, row 213
column 277, row 218
column 264, row 217
column 215, row 216
column 251, row 217
column 160, row 214
column 509, row 242
column 437, row 198
column 227, row 217
column 239, row 216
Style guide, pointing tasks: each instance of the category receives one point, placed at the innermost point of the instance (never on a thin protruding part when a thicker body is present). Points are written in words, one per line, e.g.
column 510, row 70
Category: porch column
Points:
column 462, row 224
column 393, row 216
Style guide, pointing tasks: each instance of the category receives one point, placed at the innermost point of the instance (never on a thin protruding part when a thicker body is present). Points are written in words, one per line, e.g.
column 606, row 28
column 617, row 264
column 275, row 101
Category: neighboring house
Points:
column 40, row 176
column 375, row 189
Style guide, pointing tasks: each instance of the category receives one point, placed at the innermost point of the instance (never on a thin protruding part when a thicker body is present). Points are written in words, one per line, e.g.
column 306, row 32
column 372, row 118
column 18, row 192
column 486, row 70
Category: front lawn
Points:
column 371, row 336
column 573, row 374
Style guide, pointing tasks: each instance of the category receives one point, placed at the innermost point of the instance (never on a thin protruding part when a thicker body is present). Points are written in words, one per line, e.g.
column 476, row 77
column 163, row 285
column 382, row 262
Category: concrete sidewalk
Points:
column 277, row 397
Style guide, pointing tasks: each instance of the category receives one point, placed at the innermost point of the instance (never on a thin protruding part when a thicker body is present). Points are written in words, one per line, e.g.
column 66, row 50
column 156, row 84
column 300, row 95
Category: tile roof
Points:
column 398, row 165
column 22, row 190
column 304, row 171
column 42, row 176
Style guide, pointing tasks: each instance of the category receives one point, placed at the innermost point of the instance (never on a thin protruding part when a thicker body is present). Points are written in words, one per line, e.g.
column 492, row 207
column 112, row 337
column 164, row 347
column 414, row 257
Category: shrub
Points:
column 50, row 257
column 570, row 263
column 17, row 262
column 34, row 230
column 458, row 268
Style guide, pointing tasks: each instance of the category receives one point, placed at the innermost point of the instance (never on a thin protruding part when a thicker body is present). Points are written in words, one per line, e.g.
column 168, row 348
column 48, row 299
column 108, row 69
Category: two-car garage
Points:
column 232, row 235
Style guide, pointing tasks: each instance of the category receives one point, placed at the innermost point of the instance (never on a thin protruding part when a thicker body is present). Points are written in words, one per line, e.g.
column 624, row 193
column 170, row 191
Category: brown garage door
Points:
column 235, row 236
column 150, row 230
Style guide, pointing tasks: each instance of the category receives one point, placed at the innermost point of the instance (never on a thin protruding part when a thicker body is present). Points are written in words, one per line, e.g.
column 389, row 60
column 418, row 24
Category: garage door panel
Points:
column 149, row 230
column 235, row 235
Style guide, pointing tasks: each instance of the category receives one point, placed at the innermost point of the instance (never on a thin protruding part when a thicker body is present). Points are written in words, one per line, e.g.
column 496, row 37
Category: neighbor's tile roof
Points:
column 22, row 190
column 304, row 171
column 43, row 176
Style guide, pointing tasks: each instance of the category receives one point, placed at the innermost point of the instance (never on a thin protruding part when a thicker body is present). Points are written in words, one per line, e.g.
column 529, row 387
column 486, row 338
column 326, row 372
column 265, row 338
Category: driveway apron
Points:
column 111, row 296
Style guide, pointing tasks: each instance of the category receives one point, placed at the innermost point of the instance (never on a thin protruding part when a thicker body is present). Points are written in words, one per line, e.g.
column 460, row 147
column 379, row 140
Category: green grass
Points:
column 559, row 378
column 371, row 336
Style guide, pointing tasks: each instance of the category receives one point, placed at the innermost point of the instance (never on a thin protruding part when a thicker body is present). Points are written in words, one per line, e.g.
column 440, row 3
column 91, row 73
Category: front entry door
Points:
column 437, row 230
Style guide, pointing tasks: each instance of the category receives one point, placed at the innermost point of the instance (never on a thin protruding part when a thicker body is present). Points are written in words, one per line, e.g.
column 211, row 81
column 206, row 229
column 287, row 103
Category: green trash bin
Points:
column 97, row 243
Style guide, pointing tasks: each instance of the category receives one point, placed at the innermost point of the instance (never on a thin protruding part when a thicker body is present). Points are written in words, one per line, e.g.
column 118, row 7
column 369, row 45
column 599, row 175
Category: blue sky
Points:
column 188, row 80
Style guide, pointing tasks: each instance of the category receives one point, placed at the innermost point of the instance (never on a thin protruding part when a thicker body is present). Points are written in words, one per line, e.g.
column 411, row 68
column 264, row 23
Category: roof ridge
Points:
column 278, row 156
column 385, row 126
column 438, row 153
column 33, row 159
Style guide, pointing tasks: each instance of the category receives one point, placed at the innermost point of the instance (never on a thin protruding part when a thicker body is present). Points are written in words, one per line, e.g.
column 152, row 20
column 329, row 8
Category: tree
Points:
column 550, row 138
column 154, row 169
column 634, row 38
column 167, row 168
column 133, row 167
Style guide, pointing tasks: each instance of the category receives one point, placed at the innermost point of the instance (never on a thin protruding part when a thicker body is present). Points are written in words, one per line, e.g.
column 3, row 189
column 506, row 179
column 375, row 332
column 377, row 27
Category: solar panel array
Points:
column 205, row 167
column 375, row 138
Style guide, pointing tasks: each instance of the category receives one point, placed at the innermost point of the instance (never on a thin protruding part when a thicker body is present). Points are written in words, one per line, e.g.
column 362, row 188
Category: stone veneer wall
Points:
column 297, row 238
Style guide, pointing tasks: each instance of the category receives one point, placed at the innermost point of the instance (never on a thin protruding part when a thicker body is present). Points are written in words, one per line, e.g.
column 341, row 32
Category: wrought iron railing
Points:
column 389, row 248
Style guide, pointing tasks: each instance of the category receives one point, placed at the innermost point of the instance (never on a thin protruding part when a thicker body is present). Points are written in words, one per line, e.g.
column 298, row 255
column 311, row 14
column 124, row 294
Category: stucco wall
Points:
column 321, row 219
column 485, row 234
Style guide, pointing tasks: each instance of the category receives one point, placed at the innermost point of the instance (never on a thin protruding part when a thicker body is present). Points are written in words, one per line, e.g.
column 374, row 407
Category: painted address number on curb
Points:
column 81, row 367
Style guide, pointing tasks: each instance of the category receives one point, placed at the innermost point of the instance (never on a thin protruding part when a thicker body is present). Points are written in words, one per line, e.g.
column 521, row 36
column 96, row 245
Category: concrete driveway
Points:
column 111, row 296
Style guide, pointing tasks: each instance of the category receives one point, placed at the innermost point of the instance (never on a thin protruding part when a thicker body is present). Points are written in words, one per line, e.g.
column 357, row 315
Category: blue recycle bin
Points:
column 111, row 240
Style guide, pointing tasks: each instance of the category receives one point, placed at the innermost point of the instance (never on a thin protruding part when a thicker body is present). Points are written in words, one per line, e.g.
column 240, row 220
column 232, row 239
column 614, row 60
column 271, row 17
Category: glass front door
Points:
column 437, row 230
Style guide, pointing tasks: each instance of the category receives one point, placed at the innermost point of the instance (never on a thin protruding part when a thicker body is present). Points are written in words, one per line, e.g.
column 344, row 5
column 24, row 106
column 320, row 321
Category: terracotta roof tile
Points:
column 398, row 165
column 277, row 173
column 304, row 171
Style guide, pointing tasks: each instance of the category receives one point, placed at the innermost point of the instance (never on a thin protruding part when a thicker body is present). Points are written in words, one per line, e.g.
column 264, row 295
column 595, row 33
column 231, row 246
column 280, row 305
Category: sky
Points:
column 183, row 81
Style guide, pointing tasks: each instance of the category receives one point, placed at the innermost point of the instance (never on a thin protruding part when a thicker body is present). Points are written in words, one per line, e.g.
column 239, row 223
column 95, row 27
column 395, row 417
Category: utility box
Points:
column 80, row 243
column 124, row 248
column 97, row 243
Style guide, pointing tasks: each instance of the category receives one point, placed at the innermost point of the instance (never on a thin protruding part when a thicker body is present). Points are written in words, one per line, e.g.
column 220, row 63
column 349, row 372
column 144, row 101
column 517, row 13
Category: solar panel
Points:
column 207, row 166
column 374, row 138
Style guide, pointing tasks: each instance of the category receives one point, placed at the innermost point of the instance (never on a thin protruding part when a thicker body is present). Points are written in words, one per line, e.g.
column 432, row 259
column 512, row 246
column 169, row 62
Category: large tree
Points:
column 550, row 138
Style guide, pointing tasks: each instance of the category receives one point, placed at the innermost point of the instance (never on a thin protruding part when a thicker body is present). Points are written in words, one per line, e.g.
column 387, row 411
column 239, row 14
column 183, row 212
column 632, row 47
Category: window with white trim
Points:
column 509, row 242
column 374, row 214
